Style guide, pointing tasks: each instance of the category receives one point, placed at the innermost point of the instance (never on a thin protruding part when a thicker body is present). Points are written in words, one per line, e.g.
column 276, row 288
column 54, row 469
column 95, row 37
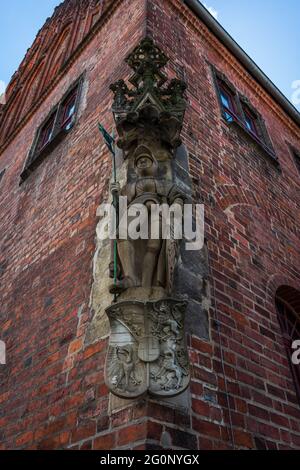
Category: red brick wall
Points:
column 52, row 389
column 252, row 229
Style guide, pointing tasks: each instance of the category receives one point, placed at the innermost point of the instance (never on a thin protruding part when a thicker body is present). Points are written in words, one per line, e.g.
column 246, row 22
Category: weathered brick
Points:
column 25, row 438
column 206, row 428
column 243, row 439
column 83, row 432
column 105, row 442
column 132, row 433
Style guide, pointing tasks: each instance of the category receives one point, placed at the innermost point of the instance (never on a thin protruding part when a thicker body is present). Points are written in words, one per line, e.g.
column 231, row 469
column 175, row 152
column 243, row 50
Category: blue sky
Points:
column 268, row 30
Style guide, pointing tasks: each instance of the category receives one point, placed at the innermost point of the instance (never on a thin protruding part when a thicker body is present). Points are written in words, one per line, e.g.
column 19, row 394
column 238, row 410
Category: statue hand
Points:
column 115, row 188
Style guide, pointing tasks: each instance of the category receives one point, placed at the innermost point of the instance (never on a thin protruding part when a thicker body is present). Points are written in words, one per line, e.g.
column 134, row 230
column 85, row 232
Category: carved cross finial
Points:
column 148, row 82
column 147, row 60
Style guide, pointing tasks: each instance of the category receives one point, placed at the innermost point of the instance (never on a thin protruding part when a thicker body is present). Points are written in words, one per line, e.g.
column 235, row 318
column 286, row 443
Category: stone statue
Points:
column 148, row 262
column 147, row 351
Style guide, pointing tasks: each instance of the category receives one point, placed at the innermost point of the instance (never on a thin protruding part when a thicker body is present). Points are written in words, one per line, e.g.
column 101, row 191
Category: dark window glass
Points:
column 68, row 110
column 227, row 101
column 250, row 122
column 290, row 326
column 46, row 133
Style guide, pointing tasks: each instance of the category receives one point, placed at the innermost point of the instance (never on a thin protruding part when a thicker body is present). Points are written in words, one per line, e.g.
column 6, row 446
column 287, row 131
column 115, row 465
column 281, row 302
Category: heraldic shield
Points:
column 147, row 350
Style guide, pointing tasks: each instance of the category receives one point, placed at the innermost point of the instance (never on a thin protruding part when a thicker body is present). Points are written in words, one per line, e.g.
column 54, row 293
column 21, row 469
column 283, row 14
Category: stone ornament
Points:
column 149, row 107
column 147, row 349
column 149, row 119
column 150, row 262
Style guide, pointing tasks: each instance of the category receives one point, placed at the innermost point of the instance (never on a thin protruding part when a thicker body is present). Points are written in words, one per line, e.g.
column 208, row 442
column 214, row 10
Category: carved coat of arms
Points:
column 147, row 351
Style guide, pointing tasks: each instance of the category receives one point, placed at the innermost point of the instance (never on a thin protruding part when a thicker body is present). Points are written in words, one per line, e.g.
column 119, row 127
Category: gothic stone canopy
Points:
column 151, row 100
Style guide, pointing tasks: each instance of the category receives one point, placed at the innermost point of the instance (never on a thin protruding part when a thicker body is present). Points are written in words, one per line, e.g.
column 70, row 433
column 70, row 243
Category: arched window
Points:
column 288, row 308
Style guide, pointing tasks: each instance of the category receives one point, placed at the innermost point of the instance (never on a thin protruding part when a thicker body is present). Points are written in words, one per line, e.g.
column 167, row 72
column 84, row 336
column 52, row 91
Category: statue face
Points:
column 144, row 162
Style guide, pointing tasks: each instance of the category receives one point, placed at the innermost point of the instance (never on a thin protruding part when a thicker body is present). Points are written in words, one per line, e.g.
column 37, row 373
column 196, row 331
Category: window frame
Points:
column 252, row 119
column 37, row 153
column 241, row 106
column 223, row 84
column 261, row 135
column 72, row 96
column 226, row 91
column 41, row 143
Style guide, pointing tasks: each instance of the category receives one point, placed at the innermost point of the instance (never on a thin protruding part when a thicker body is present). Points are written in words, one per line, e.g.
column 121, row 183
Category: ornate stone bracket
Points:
column 147, row 350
